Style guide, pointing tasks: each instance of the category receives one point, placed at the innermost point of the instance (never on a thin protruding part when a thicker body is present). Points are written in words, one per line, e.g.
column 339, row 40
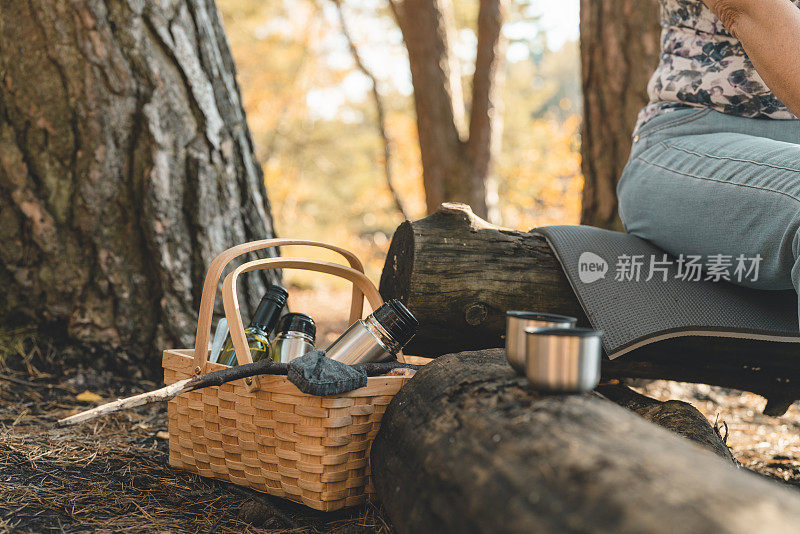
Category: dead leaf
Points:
column 162, row 435
column 88, row 396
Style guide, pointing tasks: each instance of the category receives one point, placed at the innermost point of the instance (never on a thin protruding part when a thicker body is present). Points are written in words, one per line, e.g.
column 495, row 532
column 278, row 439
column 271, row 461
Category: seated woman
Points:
column 715, row 163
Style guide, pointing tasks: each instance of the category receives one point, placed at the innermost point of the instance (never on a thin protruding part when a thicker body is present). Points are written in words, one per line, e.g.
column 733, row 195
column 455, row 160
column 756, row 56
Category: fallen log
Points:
column 467, row 446
column 459, row 275
column 675, row 415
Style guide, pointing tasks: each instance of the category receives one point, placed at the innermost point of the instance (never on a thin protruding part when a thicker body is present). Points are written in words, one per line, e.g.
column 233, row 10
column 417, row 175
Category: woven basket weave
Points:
column 265, row 433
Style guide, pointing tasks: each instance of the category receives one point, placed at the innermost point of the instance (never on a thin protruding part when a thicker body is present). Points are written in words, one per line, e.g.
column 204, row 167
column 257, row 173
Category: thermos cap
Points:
column 397, row 320
column 567, row 332
column 297, row 322
column 536, row 316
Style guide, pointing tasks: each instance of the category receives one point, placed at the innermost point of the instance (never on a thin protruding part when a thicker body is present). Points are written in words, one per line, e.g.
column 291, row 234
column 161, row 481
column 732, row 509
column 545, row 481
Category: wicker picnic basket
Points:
column 263, row 432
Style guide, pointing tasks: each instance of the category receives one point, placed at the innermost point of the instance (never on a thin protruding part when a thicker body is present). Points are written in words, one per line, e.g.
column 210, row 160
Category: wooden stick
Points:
column 216, row 378
column 163, row 394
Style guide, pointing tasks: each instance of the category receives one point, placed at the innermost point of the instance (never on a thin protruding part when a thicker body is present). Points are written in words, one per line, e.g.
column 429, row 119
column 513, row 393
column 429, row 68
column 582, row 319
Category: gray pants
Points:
column 700, row 182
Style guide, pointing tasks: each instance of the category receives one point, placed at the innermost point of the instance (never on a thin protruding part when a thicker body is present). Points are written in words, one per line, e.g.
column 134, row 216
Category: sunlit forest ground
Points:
column 314, row 123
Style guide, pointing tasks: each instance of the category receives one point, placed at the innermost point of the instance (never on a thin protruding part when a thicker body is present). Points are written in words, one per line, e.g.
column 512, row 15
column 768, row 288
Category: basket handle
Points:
column 211, row 282
column 231, row 301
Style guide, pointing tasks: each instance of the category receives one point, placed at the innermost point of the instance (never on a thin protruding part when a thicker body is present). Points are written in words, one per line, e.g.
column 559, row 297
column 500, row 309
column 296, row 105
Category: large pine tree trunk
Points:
column 619, row 50
column 125, row 166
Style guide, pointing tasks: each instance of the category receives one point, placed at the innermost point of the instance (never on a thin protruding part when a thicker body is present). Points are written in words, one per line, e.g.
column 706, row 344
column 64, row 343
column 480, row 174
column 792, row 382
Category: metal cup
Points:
column 517, row 322
column 563, row 359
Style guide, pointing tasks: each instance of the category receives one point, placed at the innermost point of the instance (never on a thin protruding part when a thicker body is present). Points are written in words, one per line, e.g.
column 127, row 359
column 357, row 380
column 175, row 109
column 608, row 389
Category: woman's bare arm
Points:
column 769, row 30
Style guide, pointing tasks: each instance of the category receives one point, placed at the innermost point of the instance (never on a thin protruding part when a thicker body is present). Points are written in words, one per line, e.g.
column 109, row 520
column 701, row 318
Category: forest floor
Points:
column 111, row 475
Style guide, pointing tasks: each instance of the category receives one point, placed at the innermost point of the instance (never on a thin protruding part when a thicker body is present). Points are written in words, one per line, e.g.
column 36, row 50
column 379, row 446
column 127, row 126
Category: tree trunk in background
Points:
column 456, row 157
column 126, row 165
column 619, row 51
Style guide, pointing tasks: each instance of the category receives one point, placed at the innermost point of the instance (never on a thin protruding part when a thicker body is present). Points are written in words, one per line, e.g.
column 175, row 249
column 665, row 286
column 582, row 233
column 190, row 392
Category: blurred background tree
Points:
column 619, row 51
column 456, row 147
column 313, row 115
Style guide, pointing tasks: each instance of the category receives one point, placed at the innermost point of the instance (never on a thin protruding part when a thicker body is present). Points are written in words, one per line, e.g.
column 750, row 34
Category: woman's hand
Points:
column 769, row 31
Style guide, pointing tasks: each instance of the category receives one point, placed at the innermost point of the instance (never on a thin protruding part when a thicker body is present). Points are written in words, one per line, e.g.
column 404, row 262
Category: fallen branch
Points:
column 675, row 415
column 216, row 378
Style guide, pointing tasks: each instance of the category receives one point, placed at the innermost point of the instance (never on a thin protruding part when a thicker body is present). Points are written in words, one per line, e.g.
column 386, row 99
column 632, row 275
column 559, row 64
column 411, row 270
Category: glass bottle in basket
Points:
column 257, row 333
column 295, row 337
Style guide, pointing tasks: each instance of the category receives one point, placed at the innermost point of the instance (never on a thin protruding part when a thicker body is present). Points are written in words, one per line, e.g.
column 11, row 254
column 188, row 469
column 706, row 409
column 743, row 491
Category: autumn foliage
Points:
column 313, row 121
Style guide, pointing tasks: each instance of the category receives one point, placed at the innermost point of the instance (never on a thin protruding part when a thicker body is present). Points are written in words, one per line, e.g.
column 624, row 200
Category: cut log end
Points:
column 396, row 276
column 459, row 274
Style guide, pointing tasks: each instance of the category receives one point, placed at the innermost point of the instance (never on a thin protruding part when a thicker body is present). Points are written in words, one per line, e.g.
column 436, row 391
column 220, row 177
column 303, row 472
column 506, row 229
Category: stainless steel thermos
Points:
column 377, row 338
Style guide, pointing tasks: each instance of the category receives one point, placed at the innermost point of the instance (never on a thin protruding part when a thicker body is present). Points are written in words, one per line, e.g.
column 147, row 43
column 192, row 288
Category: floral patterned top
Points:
column 702, row 65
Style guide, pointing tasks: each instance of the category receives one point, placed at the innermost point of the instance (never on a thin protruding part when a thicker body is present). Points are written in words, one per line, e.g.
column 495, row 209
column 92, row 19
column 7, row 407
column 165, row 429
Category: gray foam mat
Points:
column 635, row 313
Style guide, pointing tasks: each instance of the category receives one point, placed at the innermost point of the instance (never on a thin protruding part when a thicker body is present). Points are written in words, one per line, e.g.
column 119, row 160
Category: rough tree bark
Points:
column 619, row 51
column 126, row 165
column 456, row 158
column 459, row 274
